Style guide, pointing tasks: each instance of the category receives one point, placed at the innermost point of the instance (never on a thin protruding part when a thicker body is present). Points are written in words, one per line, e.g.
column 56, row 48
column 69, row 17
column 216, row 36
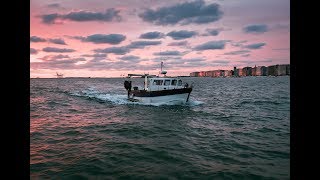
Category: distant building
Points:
column 283, row 69
column 208, row 74
column 194, row 74
column 272, row 70
column 222, row 73
column 279, row 70
column 264, row 70
column 215, row 73
column 254, row 71
column 239, row 71
column 228, row 73
column 247, row 71
column 235, row 72
column 261, row 71
column 201, row 74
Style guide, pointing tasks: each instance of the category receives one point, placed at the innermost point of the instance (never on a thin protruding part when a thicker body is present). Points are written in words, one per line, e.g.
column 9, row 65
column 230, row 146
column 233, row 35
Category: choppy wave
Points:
column 87, row 129
column 92, row 93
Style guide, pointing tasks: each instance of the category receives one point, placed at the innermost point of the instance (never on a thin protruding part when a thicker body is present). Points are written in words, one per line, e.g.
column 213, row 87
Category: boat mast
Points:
column 163, row 72
column 145, row 81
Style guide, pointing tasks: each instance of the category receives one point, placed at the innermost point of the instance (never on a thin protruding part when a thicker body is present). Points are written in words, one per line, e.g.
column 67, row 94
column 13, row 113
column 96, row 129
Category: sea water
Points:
column 84, row 128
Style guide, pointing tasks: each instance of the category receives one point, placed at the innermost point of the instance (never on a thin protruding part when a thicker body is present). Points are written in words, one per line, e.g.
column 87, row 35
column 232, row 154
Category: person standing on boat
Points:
column 128, row 86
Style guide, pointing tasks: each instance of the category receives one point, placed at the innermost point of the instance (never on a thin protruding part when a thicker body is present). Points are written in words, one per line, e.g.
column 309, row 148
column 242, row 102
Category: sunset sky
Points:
column 108, row 38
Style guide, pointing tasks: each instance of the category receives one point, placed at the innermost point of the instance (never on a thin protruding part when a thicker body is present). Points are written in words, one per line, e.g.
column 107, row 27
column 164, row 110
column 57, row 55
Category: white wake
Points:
column 122, row 99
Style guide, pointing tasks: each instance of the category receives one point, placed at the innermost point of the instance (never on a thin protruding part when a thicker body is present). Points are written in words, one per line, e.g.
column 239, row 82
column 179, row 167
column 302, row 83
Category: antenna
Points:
column 163, row 72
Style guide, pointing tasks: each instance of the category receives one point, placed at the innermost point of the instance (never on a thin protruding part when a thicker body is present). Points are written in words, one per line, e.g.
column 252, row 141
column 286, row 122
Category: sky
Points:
column 107, row 38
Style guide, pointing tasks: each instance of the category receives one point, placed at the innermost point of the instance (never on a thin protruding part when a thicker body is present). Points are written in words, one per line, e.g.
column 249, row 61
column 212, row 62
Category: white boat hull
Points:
column 179, row 98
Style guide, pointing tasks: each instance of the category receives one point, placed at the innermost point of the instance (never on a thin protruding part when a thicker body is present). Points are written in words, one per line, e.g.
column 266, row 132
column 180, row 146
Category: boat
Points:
column 158, row 89
column 59, row 75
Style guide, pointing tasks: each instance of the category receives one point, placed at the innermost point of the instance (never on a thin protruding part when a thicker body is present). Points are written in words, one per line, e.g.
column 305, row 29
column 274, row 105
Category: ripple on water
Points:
column 231, row 129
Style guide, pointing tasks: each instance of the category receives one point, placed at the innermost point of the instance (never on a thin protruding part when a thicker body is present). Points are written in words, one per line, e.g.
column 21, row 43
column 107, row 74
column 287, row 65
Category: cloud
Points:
column 267, row 60
column 77, row 59
column 193, row 59
column 114, row 50
column 33, row 51
column 58, row 41
column 114, row 65
column 131, row 63
column 254, row 61
column 76, row 37
column 130, row 58
column 82, row 16
column 191, row 62
column 220, row 61
column 237, row 52
column 256, row 28
column 109, row 15
column 213, row 32
column 246, row 61
column 245, row 55
column 57, row 64
column 281, row 49
column 102, row 38
column 57, row 50
column 240, row 43
column 168, row 59
column 54, row 5
column 178, row 62
column 178, row 35
column 53, row 57
column 98, row 59
column 152, row 35
column 95, row 55
column 126, row 63
column 285, row 27
column 255, row 46
column 49, row 18
column 90, row 65
column 196, row 12
column 37, row 39
column 211, row 45
column 126, row 49
column 168, row 53
column 142, row 44
column 180, row 43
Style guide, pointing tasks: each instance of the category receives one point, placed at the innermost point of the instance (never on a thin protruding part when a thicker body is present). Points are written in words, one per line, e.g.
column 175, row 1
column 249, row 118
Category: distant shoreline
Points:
column 176, row 76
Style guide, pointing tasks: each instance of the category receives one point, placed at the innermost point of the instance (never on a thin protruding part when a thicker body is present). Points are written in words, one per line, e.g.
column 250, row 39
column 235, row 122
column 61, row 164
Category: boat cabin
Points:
column 158, row 84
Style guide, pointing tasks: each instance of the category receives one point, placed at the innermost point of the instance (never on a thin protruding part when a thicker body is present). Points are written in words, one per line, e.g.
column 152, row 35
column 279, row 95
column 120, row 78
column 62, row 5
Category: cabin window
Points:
column 167, row 82
column 179, row 83
column 158, row 82
column 174, row 82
